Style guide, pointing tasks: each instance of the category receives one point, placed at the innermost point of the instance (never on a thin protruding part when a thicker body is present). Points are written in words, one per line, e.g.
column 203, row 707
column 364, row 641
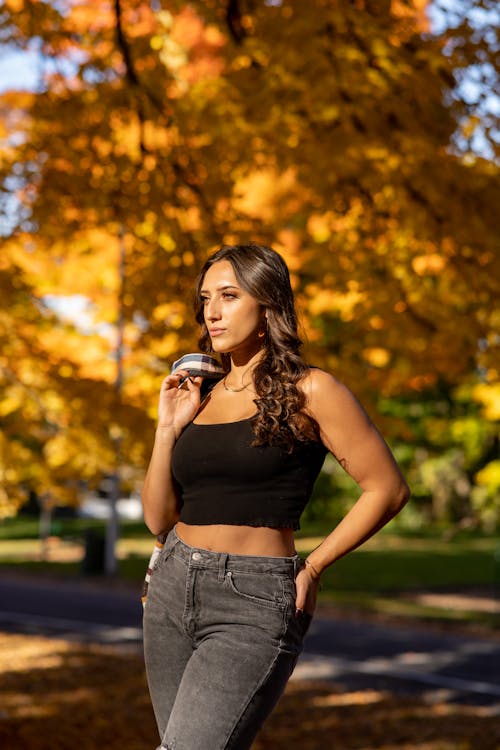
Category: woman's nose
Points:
column 212, row 310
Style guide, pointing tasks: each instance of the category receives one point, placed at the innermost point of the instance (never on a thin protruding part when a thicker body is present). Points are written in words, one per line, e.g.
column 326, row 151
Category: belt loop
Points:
column 171, row 541
column 222, row 566
column 298, row 564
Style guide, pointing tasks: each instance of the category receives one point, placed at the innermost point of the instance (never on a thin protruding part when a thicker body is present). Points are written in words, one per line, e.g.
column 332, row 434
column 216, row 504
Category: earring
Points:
column 262, row 334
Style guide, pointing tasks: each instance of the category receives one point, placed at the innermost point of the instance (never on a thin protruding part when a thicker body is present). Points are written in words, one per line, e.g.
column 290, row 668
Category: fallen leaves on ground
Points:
column 58, row 695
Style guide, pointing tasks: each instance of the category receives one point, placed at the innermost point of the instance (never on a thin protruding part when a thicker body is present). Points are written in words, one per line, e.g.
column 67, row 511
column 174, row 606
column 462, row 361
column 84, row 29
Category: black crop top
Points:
column 223, row 480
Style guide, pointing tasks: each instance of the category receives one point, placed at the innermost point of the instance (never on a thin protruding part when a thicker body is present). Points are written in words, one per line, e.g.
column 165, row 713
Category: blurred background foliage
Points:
column 357, row 137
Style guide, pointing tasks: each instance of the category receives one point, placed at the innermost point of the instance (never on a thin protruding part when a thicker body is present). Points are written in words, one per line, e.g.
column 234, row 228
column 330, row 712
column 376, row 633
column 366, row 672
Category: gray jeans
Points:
column 221, row 639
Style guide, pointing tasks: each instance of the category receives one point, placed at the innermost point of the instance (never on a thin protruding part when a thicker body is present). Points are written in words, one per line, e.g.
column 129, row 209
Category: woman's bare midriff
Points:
column 238, row 540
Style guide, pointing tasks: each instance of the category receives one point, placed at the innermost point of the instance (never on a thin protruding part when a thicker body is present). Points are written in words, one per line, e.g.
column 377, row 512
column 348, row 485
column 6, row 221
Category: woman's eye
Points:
column 228, row 295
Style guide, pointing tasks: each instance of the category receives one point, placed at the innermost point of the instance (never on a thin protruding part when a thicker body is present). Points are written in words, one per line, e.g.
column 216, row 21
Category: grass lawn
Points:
column 389, row 574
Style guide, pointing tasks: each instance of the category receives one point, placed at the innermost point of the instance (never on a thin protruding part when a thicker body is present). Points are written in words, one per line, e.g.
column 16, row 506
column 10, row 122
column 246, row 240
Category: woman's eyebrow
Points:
column 220, row 288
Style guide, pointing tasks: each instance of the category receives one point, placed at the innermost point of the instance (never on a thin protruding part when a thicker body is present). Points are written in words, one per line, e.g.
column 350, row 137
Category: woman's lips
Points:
column 216, row 331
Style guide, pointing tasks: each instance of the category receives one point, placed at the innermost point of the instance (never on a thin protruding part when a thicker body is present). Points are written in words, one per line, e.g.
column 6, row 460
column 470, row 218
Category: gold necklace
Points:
column 234, row 390
column 242, row 388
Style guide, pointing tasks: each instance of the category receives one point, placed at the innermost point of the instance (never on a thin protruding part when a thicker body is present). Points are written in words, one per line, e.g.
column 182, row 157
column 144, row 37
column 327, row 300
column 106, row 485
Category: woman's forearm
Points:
column 159, row 498
column 369, row 514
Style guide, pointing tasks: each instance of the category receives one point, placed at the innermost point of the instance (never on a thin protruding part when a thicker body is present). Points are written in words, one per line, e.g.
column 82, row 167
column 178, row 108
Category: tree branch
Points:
column 130, row 71
column 233, row 20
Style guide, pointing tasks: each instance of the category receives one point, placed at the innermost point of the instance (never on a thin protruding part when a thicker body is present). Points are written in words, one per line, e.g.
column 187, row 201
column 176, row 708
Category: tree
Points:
column 326, row 129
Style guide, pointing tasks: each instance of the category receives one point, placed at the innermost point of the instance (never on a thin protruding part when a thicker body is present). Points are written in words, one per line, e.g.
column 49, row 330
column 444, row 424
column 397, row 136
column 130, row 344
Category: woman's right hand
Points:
column 178, row 406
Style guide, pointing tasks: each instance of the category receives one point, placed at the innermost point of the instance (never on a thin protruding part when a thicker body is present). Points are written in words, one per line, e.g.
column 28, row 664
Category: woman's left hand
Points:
column 307, row 592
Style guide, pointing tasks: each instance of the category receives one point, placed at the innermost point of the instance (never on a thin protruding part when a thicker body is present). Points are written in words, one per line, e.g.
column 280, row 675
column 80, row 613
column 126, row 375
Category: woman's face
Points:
column 233, row 317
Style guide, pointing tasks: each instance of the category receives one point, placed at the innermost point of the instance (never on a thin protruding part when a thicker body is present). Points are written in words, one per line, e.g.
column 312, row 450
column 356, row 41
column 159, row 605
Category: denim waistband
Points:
column 204, row 558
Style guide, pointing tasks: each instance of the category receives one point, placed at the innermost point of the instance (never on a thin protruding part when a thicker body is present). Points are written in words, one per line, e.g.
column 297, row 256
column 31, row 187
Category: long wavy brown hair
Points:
column 262, row 272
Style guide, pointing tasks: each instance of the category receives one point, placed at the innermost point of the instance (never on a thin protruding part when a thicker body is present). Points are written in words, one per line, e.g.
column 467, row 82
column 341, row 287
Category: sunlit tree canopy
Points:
column 344, row 133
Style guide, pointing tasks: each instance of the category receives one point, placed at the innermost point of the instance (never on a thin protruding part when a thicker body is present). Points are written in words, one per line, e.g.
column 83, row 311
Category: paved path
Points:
column 74, row 611
column 354, row 654
column 443, row 666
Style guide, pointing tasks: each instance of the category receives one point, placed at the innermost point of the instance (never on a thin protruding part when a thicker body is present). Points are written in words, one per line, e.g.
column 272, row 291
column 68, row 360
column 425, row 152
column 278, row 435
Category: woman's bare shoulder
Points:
column 327, row 396
column 318, row 383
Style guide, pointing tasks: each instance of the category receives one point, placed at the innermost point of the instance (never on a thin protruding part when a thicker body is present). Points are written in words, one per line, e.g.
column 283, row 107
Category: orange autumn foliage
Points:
column 326, row 129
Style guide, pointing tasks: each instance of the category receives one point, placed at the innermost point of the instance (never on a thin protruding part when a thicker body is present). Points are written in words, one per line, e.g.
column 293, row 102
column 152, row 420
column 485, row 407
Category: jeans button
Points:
column 196, row 556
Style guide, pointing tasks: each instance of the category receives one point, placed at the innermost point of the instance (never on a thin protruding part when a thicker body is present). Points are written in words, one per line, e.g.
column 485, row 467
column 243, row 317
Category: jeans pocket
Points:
column 265, row 590
column 297, row 626
column 305, row 620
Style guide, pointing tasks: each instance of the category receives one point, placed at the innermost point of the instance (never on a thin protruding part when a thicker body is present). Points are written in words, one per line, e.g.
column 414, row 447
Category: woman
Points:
column 229, row 600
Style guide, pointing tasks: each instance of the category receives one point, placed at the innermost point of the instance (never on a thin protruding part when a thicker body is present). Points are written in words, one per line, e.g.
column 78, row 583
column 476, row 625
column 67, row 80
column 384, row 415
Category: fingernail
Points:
column 299, row 612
